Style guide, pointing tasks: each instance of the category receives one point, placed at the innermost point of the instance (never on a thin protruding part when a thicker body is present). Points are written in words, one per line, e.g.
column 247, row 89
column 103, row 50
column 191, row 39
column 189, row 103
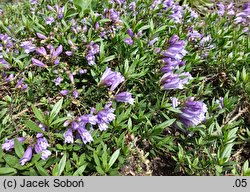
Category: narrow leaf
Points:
column 57, row 107
column 33, row 126
column 7, row 171
column 61, row 165
column 38, row 113
column 114, row 157
column 18, row 148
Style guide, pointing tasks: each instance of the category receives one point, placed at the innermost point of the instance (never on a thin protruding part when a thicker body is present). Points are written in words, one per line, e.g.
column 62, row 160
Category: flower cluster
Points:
column 78, row 127
column 193, row 113
column 52, row 56
column 58, row 10
column 41, row 146
column 8, row 145
column 28, row 46
column 172, row 60
column 222, row 9
column 21, row 85
column 112, row 79
column 6, row 44
column 174, row 81
column 243, row 16
column 132, row 36
column 176, row 11
column 93, row 49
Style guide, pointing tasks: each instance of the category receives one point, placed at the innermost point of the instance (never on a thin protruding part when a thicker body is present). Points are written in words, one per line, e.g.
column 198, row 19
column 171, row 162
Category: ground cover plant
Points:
column 121, row 87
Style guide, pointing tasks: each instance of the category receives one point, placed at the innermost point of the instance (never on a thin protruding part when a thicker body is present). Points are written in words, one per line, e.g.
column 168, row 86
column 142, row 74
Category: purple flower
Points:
column 220, row 102
column 74, row 125
column 243, row 16
column 75, row 94
column 57, row 52
column 59, row 11
column 113, row 15
column 71, row 77
column 125, row 97
column 24, row 87
column 221, row 8
column 58, row 80
column 193, row 113
column 41, row 51
column 175, row 102
column 45, row 154
column 82, row 71
column 194, row 35
column 230, row 9
column 41, row 144
column 38, row 63
column 85, row 135
column 130, row 32
column 132, row 6
column 246, row 7
column 33, row 2
column 4, row 63
column 111, row 78
column 153, row 41
column 93, row 49
column 68, row 136
column 177, row 14
column 97, row 26
column 41, row 36
column 176, row 48
column 174, row 81
column 104, row 117
column 64, row 92
column 28, row 47
column 170, row 64
column 21, row 85
column 119, row 2
column 129, row 41
column 43, row 127
column 69, row 53
column 9, row 78
column 9, row 144
column 49, row 20
column 26, row 156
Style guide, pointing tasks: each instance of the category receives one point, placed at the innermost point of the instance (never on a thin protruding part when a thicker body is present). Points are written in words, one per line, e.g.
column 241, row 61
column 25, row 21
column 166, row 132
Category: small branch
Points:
column 14, row 117
column 234, row 118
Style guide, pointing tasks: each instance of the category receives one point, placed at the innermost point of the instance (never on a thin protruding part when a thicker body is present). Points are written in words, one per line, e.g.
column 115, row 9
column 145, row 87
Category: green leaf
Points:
column 57, row 107
column 61, row 165
column 80, row 170
column 113, row 158
column 18, row 148
column 96, row 159
column 99, row 170
column 1, row 153
column 225, row 154
column 39, row 115
column 82, row 4
column 165, row 124
column 7, row 171
column 33, row 126
column 11, row 160
column 41, row 170
column 60, row 120
column 107, row 59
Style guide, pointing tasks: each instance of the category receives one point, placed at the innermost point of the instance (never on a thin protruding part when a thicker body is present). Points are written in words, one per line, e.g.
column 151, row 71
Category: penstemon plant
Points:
column 122, row 87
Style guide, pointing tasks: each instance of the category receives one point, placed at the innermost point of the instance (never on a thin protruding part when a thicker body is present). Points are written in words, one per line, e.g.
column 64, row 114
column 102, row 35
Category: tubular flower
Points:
column 26, row 156
column 125, row 97
column 174, row 81
column 112, row 79
column 193, row 113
